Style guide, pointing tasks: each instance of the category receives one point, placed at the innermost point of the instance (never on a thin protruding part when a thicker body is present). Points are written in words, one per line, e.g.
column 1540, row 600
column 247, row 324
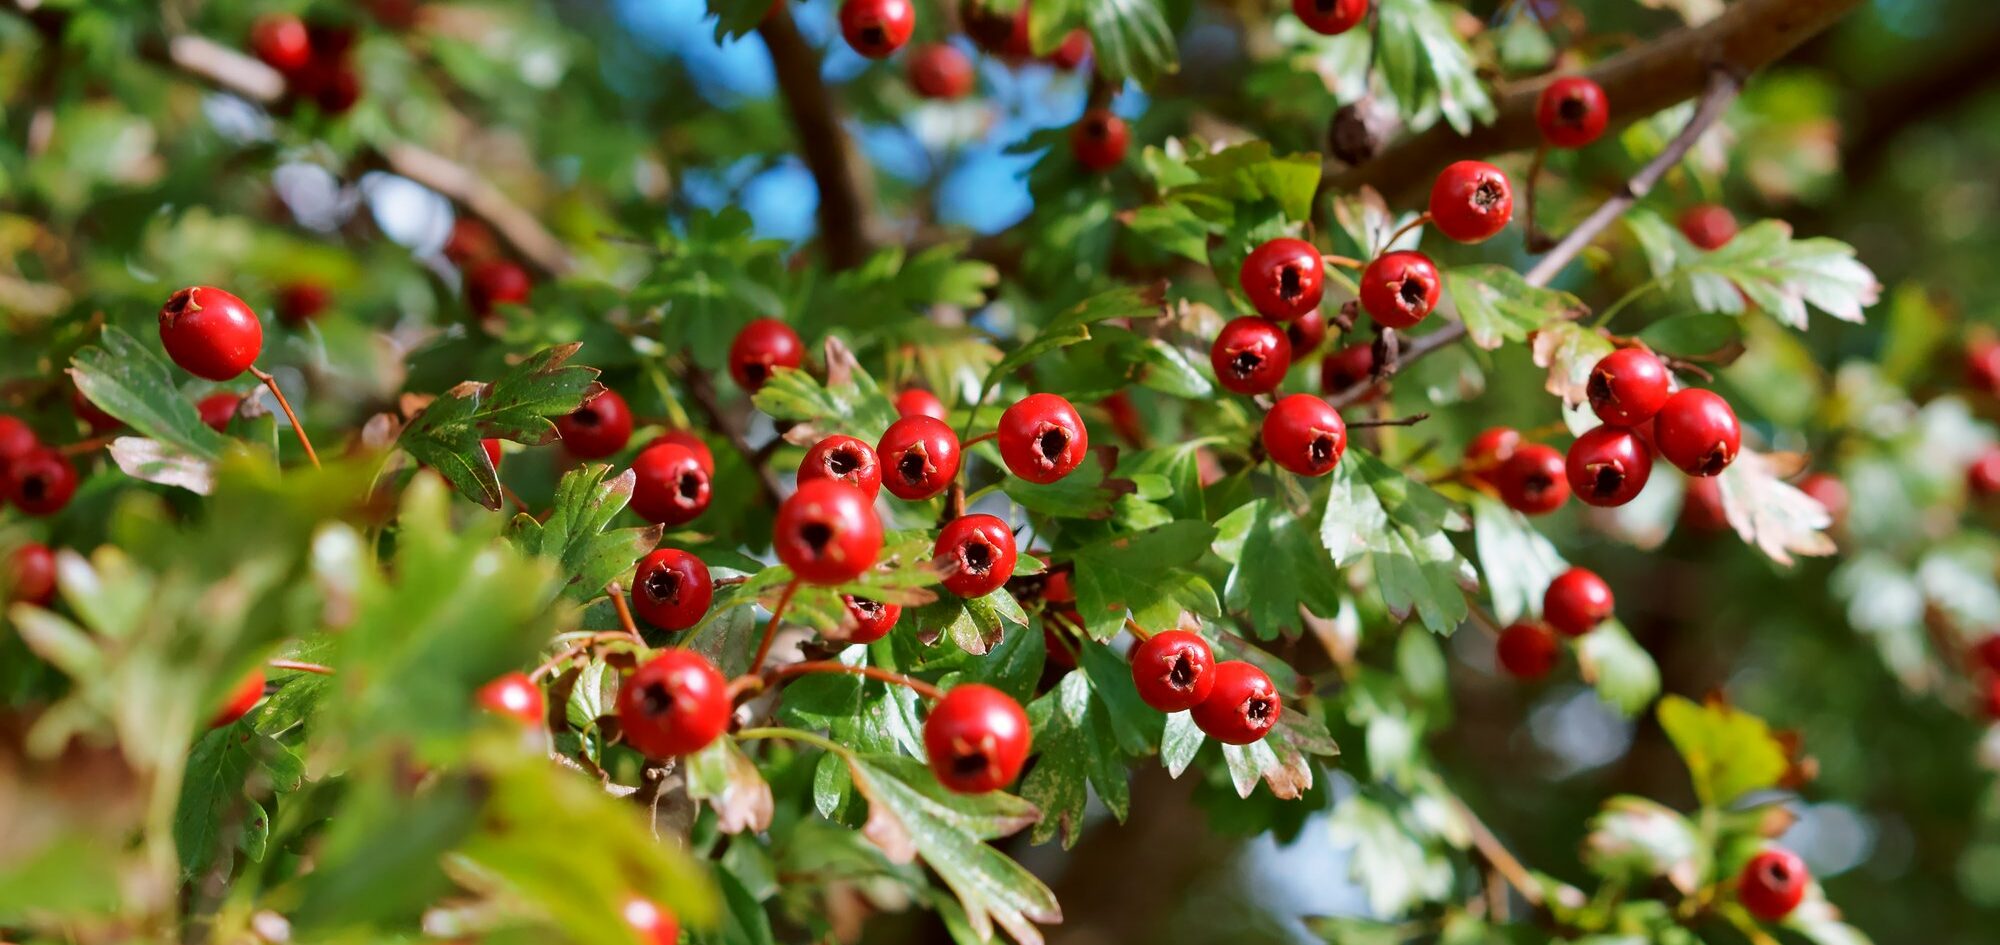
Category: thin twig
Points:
column 1415, row 222
column 1138, row 631
column 617, row 595
column 778, row 673
column 771, row 628
column 1496, row 855
column 91, row 445
column 299, row 428
column 300, row 667
column 1409, row 421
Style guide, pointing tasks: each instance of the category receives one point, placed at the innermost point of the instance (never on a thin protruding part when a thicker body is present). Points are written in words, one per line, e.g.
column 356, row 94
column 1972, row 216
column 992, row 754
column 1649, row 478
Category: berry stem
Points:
column 602, row 636
column 272, row 384
column 300, row 667
column 1138, row 631
column 1409, row 421
column 91, row 445
column 515, row 498
column 771, row 628
column 1497, row 856
column 1418, row 221
column 1344, row 262
column 617, row 595
column 1604, row 318
column 981, row 438
column 794, row 735
column 779, row 673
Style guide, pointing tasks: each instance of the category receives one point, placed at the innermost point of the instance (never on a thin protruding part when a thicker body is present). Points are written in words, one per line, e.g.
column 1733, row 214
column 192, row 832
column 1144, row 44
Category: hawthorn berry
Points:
column 1041, row 438
column 674, row 704
column 1304, row 435
column 1828, row 491
column 1572, row 112
column 975, row 554
column 940, row 71
column 993, row 31
column 1773, row 883
column 762, row 347
column 1471, row 201
column 1060, row 623
column 1342, row 370
column 1242, row 707
column 1400, row 289
column 672, row 589
column 217, row 409
column 1697, row 431
column 1284, row 278
column 1987, row 651
column 1330, row 17
column 1174, row 670
column 599, row 427
column 693, row 442
column 1627, row 387
column 1701, row 506
column 241, row 700
column 1306, row 332
column 1488, row 452
column 492, row 448
column 1708, row 226
column 17, row 439
column 31, row 577
column 41, row 482
column 1125, row 417
column 91, row 414
column 1982, row 367
column 496, row 282
column 280, row 40
column 1576, row 602
column 514, row 697
column 919, row 456
column 669, row 486
column 977, row 738
column 868, row 619
column 653, row 923
column 1527, row 650
column 827, row 532
column 1982, row 477
column 1608, row 466
column 1992, row 700
column 1099, row 139
column 917, row 402
column 1533, row 481
column 1074, row 50
column 877, row 28
column 843, row 459
column 1251, row 355
column 210, row 333
column 470, row 241
column 1058, row 587
column 335, row 86
column 301, row 302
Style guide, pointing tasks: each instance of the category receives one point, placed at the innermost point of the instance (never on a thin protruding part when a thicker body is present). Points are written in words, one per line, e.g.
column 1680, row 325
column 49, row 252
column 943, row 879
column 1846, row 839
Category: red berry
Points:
column 301, row 302
column 693, row 442
column 336, row 88
column 1350, row 366
column 977, row 738
column 241, row 700
column 1627, row 387
column 216, row 409
column 1608, row 466
column 1697, row 431
column 1041, row 438
column 1992, row 706
column 1988, row 653
column 1528, row 650
column 671, row 589
column 1701, row 507
column 1059, row 629
column 1982, row 477
column 496, row 282
column 32, row 575
column 1572, row 112
column 281, row 41
column 868, row 619
column 210, row 333
column 876, row 28
column 670, row 486
column 674, row 704
column 1251, row 355
column 41, row 482
column 1828, row 491
column 1709, row 226
column 1576, row 602
column 1471, row 201
column 917, row 402
column 762, row 347
column 513, row 696
column 827, row 532
column 1982, row 367
column 1099, row 139
column 1330, row 17
column 1058, row 588
column 843, row 459
column 975, row 554
column 92, row 415
column 599, row 427
column 940, row 71
column 1772, row 883
column 1304, row 434
column 1533, row 481
column 1125, row 417
column 17, row 439
column 1174, row 670
column 470, row 242
column 1306, row 333
column 1488, row 452
column 651, row 922
column 1399, row 289
column 492, row 448
column 1284, row 278
column 1242, row 707
column 919, row 455
column 1074, row 50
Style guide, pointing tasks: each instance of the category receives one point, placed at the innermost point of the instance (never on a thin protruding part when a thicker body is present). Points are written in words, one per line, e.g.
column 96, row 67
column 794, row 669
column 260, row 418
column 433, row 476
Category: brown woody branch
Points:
column 846, row 198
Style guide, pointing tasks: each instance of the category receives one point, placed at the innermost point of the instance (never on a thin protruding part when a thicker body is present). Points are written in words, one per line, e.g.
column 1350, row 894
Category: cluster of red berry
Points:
column 315, row 58
column 1573, row 604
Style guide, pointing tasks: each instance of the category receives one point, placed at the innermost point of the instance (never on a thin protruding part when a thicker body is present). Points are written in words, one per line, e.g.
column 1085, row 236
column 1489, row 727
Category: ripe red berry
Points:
column 1488, row 452
column 1304, row 434
column 1251, row 355
column 1242, row 708
column 1330, row 17
column 470, row 241
column 940, row 71
column 241, row 700
column 210, row 333
column 1284, row 278
column 1533, row 481
column 843, row 459
column 1058, row 588
column 92, row 415
column 669, row 486
column 216, row 409
column 877, row 28
column 1982, row 477
column 827, row 532
column 651, row 922
column 1992, row 706
column 1074, row 50
column 1174, row 670
column 1528, row 650
column 1987, row 651
column 281, row 41
column 1982, row 367
column 694, row 443
column 1471, row 201
column 1701, row 506
column 1576, row 602
column 17, row 439
column 672, row 589
column 496, row 282
column 977, row 738
column 492, row 448
column 1708, row 226
column 674, row 704
column 868, row 619
column 513, row 696
column 41, row 482
column 1572, row 112
column 1773, row 883
column 1343, row 369
column 919, row 457
column 1399, row 289
column 1306, row 332
column 917, row 402
column 1059, row 632
column 1697, row 431
column 301, row 302
column 600, row 427
column 31, row 577
column 1627, row 387
column 1099, row 140
column 762, row 347
column 1608, row 466
column 975, row 554
column 1828, row 491
column 1041, row 438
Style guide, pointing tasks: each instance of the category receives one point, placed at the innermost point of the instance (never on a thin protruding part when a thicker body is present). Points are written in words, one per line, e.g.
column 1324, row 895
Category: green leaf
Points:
column 715, row 278
column 729, row 781
column 737, row 18
column 855, row 406
column 228, row 770
column 1623, row 672
column 1077, row 749
column 1498, row 305
column 1761, row 266
column 519, row 407
column 1180, row 742
column 1400, row 526
column 1729, row 753
column 1394, row 868
column 1173, row 228
column 1084, row 493
column 1126, row 572
column 1074, row 325
column 1247, row 174
column 1428, row 67
column 1131, row 39
column 1516, row 561
column 1277, row 566
column 126, row 379
column 575, row 536
column 1693, row 335
column 1633, row 840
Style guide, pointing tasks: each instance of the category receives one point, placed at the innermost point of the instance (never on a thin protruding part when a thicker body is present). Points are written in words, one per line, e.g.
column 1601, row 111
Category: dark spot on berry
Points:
column 969, row 764
column 178, row 304
column 1715, row 460
column 874, row 37
column 1182, row 674
column 977, row 556
column 690, row 485
column 1412, row 292
column 586, row 416
column 1246, row 363
column 816, row 535
column 656, row 699
column 1606, row 478
column 1598, row 388
column 1538, row 484
column 1291, row 283
column 913, row 467
column 1054, row 442
column 35, row 488
column 1325, row 6
column 1320, row 450
column 1572, row 110
column 842, row 462
column 1776, row 873
column 1487, row 195
column 1256, row 708
column 664, row 586
column 865, row 608
column 757, row 371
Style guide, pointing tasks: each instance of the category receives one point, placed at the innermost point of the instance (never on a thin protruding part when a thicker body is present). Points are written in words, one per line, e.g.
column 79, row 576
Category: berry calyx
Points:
column 216, row 409
column 827, row 532
column 843, row 459
column 975, row 554
column 1343, row 369
column 1284, row 278
column 977, row 739
column 918, row 456
column 1708, row 226
column 762, row 347
column 1982, row 478
column 672, row 589
column 1608, row 466
column 41, row 482
column 1773, row 883
column 1251, row 355
column 669, row 486
column 917, row 402
column 674, row 704
column 301, row 302
column 1533, row 481
column 1330, row 17
column 241, row 700
column 1576, row 602
column 1304, row 434
column 210, row 333
column 280, row 40
column 1306, row 333
column 940, row 71
column 653, row 923
column 877, row 28
column 599, row 427
column 1627, row 387
column 1982, row 367
column 1400, row 289
column 1042, row 439
column 1488, row 452
column 1527, row 650
column 1471, row 201
column 1697, row 431
column 496, row 282
column 31, row 577
column 1242, row 708
column 868, row 619
column 513, row 696
column 1099, row 139
column 1572, row 112
column 1174, row 670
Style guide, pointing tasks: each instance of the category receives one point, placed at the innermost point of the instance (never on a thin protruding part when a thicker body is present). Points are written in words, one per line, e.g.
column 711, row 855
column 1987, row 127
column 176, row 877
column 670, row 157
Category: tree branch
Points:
column 702, row 388
column 846, row 200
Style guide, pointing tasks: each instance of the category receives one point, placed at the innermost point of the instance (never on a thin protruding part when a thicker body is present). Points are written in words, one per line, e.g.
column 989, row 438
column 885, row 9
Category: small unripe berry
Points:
column 674, row 704
column 917, row 402
column 1251, row 355
column 868, row 620
column 1534, row 480
column 1708, row 226
column 827, row 532
column 1576, row 602
column 977, row 739
column 513, row 696
column 1242, row 708
column 1772, row 884
column 1330, row 17
column 975, row 554
column 1304, row 435
column 210, row 333
column 1627, row 387
column 876, row 28
column 1608, row 466
column 1283, row 278
column 41, row 482
column 1527, row 650
column 1174, row 670
column 1488, row 452
column 241, row 700
column 1341, row 370
column 940, row 71
column 1697, row 431
column 763, row 346
column 1572, row 112
column 918, row 456
column 1041, row 438
column 1471, row 201
column 1400, row 289
column 669, row 485
column 672, row 589
column 1099, row 139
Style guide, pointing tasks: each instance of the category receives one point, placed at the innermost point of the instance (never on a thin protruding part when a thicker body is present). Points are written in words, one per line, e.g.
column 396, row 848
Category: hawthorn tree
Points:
column 438, row 510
